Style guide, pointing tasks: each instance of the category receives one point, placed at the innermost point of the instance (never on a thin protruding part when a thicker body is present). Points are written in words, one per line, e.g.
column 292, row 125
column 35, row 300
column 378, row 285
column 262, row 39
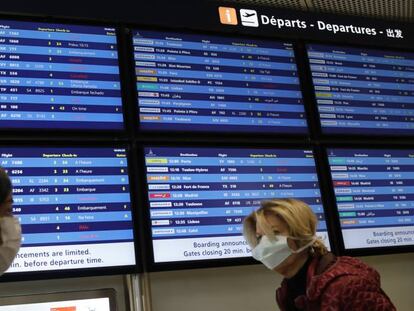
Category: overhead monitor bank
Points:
column 73, row 204
column 361, row 90
column 374, row 195
column 197, row 82
column 75, row 201
column 198, row 197
column 59, row 76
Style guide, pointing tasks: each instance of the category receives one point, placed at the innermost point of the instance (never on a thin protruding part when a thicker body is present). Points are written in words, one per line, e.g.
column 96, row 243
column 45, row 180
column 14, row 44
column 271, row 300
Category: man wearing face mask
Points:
column 282, row 235
column 10, row 230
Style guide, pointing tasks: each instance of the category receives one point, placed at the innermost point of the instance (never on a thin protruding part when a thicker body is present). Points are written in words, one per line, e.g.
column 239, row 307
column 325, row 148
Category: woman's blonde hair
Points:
column 297, row 215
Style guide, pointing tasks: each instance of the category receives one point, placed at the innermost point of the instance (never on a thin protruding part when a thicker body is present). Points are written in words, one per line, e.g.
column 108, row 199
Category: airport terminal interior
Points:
column 138, row 135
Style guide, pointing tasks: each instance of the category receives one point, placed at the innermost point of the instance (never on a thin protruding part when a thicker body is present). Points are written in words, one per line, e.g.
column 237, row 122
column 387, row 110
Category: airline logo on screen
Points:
column 228, row 16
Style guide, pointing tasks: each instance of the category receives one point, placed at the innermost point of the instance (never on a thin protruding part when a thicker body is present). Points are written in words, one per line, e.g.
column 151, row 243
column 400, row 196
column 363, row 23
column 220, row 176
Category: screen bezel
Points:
column 95, row 271
column 209, row 263
column 177, row 134
column 348, row 137
column 61, row 296
column 67, row 132
column 365, row 251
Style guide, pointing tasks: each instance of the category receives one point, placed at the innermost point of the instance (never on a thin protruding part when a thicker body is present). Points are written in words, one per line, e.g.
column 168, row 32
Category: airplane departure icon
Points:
column 249, row 18
column 247, row 15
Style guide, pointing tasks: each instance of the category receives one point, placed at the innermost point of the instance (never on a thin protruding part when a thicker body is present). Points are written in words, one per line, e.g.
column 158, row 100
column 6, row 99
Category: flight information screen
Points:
column 375, row 196
column 363, row 91
column 59, row 76
column 92, row 304
column 210, row 83
column 198, row 197
column 73, row 205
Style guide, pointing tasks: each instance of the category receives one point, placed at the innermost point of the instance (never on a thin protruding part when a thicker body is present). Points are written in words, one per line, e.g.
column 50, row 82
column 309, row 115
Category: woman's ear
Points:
column 293, row 244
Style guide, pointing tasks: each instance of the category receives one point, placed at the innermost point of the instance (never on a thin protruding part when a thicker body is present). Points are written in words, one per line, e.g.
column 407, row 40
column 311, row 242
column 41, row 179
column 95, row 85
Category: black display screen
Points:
column 363, row 91
column 58, row 76
column 375, row 196
column 198, row 197
column 73, row 204
column 211, row 83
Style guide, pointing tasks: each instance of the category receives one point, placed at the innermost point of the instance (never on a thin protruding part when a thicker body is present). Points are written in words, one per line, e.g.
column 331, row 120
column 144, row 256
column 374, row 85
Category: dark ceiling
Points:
column 402, row 10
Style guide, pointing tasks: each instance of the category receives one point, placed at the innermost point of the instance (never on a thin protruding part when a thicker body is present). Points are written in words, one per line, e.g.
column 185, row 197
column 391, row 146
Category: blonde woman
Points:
column 282, row 235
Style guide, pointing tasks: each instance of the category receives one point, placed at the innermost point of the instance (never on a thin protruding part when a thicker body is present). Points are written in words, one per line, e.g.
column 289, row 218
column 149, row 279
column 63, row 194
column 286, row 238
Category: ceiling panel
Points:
column 387, row 9
column 290, row 4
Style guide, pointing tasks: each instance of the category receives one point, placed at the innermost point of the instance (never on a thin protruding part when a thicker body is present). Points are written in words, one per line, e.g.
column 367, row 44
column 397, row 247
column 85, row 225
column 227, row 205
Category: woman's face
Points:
column 6, row 208
column 279, row 227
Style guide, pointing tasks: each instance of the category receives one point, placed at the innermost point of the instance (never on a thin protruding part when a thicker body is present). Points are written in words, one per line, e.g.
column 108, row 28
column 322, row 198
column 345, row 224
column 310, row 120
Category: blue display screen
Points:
column 59, row 76
column 210, row 83
column 73, row 204
column 198, row 197
column 362, row 90
column 375, row 196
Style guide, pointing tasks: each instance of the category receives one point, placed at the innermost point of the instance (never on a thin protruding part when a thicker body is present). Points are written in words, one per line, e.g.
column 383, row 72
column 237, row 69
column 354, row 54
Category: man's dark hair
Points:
column 5, row 185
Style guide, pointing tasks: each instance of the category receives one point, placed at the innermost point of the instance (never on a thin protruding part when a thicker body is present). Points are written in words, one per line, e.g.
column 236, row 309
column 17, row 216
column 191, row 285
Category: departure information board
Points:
column 363, row 91
column 210, row 83
column 85, row 300
column 375, row 196
column 59, row 76
column 73, row 204
column 198, row 197
column 101, row 304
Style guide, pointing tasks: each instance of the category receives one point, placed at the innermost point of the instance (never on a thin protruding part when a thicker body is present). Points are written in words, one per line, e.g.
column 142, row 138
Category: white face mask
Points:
column 11, row 234
column 273, row 252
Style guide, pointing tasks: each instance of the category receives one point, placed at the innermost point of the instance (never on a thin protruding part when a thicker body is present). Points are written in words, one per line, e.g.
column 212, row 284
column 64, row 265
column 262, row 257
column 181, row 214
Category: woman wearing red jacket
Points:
column 282, row 236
